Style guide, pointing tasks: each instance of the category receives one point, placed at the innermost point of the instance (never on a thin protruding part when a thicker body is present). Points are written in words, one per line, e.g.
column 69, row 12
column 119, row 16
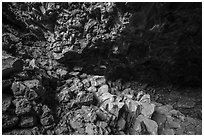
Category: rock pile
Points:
column 88, row 104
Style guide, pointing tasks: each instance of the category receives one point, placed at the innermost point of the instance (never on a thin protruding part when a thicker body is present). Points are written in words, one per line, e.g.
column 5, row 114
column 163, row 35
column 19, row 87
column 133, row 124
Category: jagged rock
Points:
column 61, row 72
column 102, row 89
column 22, row 76
column 36, row 86
column 27, row 121
column 92, row 89
column 88, row 113
column 76, row 122
column 103, row 115
column 73, row 73
column 64, row 95
column 9, row 121
column 10, row 65
column 18, row 89
column 97, row 81
column 74, row 87
column 84, row 98
column 6, row 102
column 48, row 120
column 31, row 95
column 151, row 125
column 132, row 105
column 80, row 85
column 46, row 111
column 147, row 109
column 23, row 106
column 86, row 83
column 76, row 81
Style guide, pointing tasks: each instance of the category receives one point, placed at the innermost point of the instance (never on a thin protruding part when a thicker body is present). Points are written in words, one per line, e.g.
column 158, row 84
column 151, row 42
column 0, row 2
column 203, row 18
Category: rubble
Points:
column 60, row 84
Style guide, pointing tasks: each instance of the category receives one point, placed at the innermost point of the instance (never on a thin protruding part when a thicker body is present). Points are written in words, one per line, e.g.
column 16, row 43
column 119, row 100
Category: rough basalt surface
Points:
column 68, row 69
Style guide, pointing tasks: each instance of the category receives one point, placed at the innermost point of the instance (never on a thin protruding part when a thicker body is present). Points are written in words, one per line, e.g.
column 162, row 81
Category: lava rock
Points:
column 151, row 125
column 64, row 95
column 48, row 120
column 27, row 121
column 23, row 106
column 31, row 95
column 18, row 89
column 46, row 111
column 89, row 113
column 92, row 89
column 84, row 98
column 86, row 83
column 36, row 86
column 61, row 72
column 76, row 123
column 102, row 89
column 97, row 81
